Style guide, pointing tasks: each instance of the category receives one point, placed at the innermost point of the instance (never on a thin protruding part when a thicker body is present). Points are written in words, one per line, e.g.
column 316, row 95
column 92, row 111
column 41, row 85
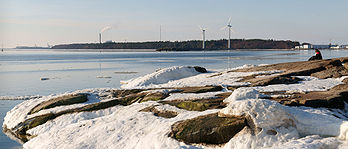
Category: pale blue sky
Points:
column 30, row 22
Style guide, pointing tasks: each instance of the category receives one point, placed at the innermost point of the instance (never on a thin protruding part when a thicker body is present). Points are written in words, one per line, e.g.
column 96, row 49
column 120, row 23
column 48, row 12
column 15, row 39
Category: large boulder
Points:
column 207, row 129
column 160, row 113
column 200, row 104
column 336, row 98
column 60, row 101
column 320, row 68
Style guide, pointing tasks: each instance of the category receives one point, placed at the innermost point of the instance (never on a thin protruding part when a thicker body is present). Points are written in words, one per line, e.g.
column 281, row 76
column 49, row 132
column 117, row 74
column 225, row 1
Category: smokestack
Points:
column 100, row 39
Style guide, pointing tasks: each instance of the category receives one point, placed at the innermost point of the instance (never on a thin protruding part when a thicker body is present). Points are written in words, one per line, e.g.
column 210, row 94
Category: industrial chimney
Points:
column 100, row 38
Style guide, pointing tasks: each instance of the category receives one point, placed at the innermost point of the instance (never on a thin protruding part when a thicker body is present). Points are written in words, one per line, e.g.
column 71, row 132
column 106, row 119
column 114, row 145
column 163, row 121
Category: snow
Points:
column 272, row 125
column 161, row 76
column 120, row 129
column 187, row 76
column 191, row 96
column 275, row 124
column 241, row 94
column 308, row 84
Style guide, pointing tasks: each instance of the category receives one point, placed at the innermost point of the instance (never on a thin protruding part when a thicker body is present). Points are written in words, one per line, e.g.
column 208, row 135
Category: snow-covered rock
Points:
column 161, row 76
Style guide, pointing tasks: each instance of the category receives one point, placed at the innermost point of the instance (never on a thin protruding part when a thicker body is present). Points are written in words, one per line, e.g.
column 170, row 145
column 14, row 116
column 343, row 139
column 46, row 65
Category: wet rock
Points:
column 60, row 101
column 207, row 129
column 160, row 113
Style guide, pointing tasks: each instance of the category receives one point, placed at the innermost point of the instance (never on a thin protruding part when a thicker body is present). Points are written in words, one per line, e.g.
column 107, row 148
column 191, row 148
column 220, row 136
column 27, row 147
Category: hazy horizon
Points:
column 26, row 23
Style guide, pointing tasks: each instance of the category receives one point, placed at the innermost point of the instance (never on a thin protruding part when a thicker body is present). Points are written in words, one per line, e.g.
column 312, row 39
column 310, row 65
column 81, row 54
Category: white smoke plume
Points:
column 105, row 29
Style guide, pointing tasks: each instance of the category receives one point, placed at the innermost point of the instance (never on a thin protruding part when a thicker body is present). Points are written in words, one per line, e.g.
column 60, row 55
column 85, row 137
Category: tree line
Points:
column 187, row 45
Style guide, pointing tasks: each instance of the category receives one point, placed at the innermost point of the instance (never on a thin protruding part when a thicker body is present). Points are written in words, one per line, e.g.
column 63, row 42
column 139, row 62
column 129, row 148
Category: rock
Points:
column 343, row 59
column 43, row 78
column 160, row 113
column 345, row 65
column 335, row 70
column 320, row 68
column 333, row 98
column 200, row 69
column 345, row 80
column 200, row 104
column 207, row 129
column 122, row 93
column 199, row 89
column 264, row 81
column 191, row 106
column 154, row 97
column 60, row 101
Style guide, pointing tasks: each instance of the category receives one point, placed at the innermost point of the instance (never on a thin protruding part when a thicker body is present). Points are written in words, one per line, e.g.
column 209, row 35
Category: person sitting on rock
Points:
column 317, row 56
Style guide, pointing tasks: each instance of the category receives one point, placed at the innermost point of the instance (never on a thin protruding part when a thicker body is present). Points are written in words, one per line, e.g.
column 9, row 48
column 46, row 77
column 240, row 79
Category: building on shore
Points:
column 343, row 46
column 321, row 46
column 329, row 46
column 304, row 46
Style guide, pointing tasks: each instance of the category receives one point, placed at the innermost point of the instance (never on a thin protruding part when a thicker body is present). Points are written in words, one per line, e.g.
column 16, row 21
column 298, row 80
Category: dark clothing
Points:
column 316, row 57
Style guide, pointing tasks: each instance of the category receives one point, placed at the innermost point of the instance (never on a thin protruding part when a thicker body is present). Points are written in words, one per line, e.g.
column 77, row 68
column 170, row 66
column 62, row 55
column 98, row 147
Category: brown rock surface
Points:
column 200, row 104
column 333, row 98
column 208, row 129
column 60, row 101
column 318, row 68
column 160, row 113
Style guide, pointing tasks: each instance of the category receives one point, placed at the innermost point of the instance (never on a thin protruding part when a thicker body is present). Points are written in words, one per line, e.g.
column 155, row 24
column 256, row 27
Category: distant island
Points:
column 192, row 45
column 29, row 47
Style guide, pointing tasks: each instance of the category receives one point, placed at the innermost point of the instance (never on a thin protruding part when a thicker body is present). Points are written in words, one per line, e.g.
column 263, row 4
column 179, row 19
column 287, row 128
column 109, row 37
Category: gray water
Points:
column 5, row 142
column 70, row 70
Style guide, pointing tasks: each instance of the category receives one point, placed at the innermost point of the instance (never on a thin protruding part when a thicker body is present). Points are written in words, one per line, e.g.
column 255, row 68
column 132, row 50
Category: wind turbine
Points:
column 203, row 31
column 229, row 26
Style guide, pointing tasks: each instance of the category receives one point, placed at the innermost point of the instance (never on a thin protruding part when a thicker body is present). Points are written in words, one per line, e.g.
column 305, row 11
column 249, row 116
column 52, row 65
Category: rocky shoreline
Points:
column 214, row 126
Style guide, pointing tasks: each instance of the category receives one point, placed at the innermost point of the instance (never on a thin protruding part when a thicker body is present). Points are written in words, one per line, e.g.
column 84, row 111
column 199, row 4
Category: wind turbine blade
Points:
column 200, row 27
column 232, row 30
column 229, row 21
column 223, row 28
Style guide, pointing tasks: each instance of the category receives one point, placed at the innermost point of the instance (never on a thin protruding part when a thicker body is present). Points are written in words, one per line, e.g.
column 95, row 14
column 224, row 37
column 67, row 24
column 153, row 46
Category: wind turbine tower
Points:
column 229, row 26
column 100, row 38
column 203, row 31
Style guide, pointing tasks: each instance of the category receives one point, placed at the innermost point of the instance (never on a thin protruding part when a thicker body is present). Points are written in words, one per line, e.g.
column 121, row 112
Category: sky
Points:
column 42, row 22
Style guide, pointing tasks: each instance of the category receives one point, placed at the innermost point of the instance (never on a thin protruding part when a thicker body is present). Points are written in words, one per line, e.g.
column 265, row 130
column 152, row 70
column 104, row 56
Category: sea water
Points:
column 45, row 72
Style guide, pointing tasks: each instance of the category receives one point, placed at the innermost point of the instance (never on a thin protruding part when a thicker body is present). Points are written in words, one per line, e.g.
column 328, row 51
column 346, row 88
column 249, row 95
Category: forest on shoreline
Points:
column 186, row 45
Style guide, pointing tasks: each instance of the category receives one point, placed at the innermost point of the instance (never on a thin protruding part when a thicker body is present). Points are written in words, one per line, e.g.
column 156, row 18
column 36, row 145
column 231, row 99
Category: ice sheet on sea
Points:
column 19, row 97
column 124, row 127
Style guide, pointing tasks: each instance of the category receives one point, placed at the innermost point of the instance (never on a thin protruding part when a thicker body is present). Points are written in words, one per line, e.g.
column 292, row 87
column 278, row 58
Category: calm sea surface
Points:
column 69, row 70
